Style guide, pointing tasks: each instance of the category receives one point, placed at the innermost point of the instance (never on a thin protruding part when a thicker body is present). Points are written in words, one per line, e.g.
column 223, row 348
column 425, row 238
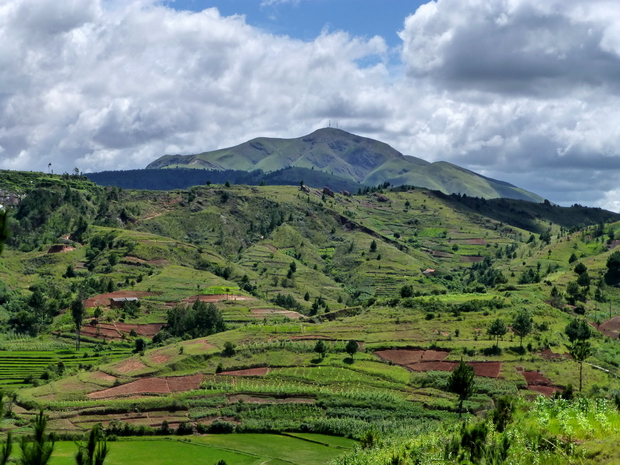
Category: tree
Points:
column 613, row 268
column 522, row 324
column 461, row 382
column 497, row 329
column 320, row 348
column 584, row 279
column 351, row 347
column 38, row 449
column 580, row 268
column 4, row 228
column 95, row 450
column 77, row 313
column 572, row 258
column 580, row 350
column 373, row 246
column 140, row 345
column 6, row 449
column 578, row 330
column 406, row 291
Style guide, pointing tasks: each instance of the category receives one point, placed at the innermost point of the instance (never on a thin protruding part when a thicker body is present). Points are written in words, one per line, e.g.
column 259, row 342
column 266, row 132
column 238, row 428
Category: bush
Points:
column 221, row 427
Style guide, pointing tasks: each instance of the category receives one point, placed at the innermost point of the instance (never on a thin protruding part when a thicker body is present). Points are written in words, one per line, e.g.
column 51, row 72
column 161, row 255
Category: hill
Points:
column 248, row 298
column 352, row 157
column 182, row 178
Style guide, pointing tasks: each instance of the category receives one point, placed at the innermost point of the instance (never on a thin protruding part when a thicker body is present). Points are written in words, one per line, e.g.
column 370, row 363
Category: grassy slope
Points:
column 334, row 261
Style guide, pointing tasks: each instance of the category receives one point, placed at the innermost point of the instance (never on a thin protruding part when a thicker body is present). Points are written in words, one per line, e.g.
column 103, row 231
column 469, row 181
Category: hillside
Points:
column 346, row 155
column 248, row 298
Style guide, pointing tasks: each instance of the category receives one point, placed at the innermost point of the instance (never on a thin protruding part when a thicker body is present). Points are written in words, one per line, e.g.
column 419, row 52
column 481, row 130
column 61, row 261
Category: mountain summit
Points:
column 349, row 156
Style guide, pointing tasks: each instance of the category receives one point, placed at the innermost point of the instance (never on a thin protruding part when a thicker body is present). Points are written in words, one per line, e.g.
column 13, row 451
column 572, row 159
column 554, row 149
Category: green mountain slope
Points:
column 353, row 157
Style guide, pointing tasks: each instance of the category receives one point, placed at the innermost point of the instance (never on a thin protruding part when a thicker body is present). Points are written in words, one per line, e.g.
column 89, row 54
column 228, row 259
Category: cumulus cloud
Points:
column 519, row 90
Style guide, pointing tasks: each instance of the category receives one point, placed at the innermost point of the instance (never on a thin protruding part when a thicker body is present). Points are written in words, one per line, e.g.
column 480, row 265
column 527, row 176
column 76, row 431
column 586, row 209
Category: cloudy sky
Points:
column 525, row 91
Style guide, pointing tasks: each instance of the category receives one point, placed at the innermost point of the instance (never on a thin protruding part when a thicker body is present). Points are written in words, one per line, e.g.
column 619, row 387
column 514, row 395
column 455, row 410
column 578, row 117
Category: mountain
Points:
column 349, row 156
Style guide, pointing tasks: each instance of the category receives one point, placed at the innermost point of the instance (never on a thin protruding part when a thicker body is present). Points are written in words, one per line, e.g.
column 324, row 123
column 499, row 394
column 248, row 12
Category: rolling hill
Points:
column 349, row 156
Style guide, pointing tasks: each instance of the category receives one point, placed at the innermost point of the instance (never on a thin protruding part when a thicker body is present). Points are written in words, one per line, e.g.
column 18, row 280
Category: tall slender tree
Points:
column 461, row 382
column 580, row 350
column 77, row 313
column 4, row 228
column 522, row 324
column 37, row 450
column 95, row 450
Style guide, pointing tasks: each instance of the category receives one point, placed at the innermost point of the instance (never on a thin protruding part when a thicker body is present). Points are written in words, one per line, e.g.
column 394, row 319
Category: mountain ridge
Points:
column 350, row 156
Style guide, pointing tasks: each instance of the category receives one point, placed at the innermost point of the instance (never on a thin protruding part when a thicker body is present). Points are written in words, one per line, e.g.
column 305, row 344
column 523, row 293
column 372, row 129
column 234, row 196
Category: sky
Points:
column 523, row 91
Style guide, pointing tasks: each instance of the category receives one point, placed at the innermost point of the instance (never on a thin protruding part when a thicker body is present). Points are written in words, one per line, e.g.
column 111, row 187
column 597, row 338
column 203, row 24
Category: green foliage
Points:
column 461, row 382
column 351, row 348
column 497, row 329
column 201, row 319
column 37, row 450
column 320, row 348
column 522, row 324
column 95, row 450
column 578, row 330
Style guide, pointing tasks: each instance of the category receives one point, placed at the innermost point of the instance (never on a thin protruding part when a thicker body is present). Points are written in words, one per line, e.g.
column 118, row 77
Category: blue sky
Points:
column 305, row 19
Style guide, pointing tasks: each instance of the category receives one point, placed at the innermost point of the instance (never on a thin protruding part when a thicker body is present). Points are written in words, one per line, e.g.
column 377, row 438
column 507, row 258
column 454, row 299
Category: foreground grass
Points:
column 238, row 449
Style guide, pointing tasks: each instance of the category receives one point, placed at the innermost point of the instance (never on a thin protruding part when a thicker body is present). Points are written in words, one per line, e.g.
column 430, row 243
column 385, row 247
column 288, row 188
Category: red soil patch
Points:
column 130, row 365
column 471, row 258
column 218, row 298
column 115, row 330
column 614, row 244
column 104, row 299
column 437, row 253
column 160, row 358
column 487, row 369
column 263, row 312
column 610, row 327
column 544, row 390
column 151, row 386
column 407, row 357
column 248, row 372
column 103, row 376
column 159, row 262
column 60, row 248
column 432, row 366
column 536, row 378
column 547, row 354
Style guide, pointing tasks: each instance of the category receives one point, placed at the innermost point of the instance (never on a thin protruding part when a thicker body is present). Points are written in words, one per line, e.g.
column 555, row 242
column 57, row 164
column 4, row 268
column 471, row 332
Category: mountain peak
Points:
column 349, row 156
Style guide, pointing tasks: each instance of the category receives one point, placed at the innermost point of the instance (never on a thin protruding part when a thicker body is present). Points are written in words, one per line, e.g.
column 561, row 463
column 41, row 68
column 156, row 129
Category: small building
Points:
column 429, row 272
column 119, row 302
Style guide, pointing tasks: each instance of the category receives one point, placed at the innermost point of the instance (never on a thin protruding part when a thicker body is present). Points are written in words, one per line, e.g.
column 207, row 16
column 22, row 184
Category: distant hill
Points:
column 183, row 178
column 349, row 156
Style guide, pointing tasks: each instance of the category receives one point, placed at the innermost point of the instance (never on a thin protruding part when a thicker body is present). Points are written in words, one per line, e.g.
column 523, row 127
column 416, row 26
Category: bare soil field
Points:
column 432, row 366
column 151, row 386
column 247, row 372
column 544, row 390
column 537, row 382
column 129, row 365
column 548, row 354
column 471, row 258
column 264, row 312
column 407, row 356
column 611, row 327
column 104, row 299
column 115, row 331
column 486, row 369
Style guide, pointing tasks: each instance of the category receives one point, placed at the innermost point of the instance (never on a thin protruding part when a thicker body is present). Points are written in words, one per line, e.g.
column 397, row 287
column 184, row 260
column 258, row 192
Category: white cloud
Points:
column 514, row 89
